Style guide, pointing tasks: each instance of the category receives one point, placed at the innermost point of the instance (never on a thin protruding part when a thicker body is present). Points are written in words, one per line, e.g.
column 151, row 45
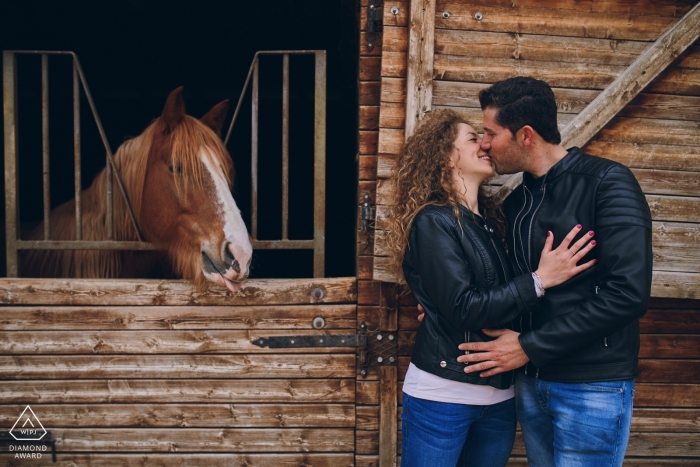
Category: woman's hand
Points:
column 560, row 265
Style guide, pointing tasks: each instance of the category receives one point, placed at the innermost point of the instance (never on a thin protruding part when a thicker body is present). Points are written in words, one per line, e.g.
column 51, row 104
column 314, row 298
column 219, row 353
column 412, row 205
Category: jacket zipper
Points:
column 532, row 219
column 468, row 338
column 503, row 266
column 515, row 230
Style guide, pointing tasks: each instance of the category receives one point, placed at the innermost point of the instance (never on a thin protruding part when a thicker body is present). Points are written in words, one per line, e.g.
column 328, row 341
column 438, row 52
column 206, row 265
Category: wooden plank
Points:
column 184, row 460
column 38, row 318
column 385, row 165
column 677, row 81
column 369, row 117
column 367, row 460
column 367, row 167
column 368, row 142
column 394, row 64
column 393, row 90
column 187, row 415
column 667, row 395
column 666, row 420
column 557, row 74
column 674, row 208
column 366, row 416
column 647, row 155
column 640, row 73
column 672, row 8
column 668, row 371
column 367, row 443
column 419, row 78
column 651, row 131
column 163, row 342
column 676, row 247
column 365, row 264
column 390, row 140
column 668, row 182
column 393, row 115
column 368, row 293
column 203, row 439
column 370, row 68
column 670, row 322
column 537, row 47
column 395, row 39
column 462, row 94
column 524, row 19
column 172, row 293
column 662, row 106
column 672, row 284
column 178, row 366
column 399, row 19
column 369, row 92
column 367, row 393
column 174, row 391
column 387, row 416
column 664, row 444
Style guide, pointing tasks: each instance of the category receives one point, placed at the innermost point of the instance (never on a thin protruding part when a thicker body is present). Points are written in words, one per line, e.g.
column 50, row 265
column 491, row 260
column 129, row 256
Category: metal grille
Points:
column 317, row 244
column 14, row 242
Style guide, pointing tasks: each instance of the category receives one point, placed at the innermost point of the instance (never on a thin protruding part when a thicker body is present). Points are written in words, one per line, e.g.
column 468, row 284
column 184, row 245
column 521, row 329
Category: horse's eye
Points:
column 175, row 170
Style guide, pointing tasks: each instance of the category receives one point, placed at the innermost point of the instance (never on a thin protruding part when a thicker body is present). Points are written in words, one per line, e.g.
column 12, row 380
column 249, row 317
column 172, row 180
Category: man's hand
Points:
column 422, row 313
column 498, row 356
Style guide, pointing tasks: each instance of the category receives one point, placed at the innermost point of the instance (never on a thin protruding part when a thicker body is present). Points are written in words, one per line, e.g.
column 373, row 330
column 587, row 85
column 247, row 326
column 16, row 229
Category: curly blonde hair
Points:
column 422, row 178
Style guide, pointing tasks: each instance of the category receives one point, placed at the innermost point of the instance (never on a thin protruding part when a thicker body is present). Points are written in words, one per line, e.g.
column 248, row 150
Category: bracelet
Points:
column 538, row 285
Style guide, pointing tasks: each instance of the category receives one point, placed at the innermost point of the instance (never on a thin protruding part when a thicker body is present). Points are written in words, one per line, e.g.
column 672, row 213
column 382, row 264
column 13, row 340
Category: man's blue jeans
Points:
column 440, row 434
column 574, row 424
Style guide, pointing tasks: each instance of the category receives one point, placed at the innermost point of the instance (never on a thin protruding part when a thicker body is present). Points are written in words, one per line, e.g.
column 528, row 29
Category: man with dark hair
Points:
column 577, row 354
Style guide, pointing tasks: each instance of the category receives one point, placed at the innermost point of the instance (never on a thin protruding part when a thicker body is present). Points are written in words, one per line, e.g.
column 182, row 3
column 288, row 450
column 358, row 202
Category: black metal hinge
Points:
column 375, row 14
column 374, row 348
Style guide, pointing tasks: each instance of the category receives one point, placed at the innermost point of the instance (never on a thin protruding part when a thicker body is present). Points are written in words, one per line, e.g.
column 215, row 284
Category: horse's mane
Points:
column 187, row 139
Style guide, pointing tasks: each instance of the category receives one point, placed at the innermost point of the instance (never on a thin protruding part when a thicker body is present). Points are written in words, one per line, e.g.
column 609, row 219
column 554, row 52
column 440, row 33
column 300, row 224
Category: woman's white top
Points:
column 424, row 385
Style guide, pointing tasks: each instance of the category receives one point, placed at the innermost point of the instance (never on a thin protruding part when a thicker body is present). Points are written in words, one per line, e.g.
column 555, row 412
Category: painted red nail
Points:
column 590, row 233
column 579, row 226
column 595, row 261
column 549, row 233
column 593, row 242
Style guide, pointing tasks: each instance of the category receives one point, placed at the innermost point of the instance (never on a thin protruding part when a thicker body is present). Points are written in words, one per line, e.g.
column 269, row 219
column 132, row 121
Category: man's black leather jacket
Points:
column 462, row 277
column 585, row 329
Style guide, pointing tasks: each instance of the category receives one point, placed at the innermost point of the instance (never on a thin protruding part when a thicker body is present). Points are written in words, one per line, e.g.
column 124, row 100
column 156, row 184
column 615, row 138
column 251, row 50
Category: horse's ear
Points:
column 174, row 110
column 214, row 119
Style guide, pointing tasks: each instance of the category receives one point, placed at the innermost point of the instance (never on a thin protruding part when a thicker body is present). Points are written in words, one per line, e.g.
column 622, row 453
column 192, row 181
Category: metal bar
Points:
column 320, row 165
column 109, row 200
column 240, row 99
column 45, row 143
column 254, row 152
column 76, row 153
column 285, row 146
column 9, row 92
column 82, row 245
column 283, row 244
column 107, row 148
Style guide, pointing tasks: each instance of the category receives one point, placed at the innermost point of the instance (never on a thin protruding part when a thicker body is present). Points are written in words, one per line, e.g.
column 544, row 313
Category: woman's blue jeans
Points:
column 440, row 434
column 574, row 425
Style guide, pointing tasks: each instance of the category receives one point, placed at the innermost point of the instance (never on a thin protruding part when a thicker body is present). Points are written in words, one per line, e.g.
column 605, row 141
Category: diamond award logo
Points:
column 28, row 427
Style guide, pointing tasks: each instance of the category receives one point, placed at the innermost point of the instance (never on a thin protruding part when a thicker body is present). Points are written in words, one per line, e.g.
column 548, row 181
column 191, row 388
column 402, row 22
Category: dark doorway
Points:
column 135, row 52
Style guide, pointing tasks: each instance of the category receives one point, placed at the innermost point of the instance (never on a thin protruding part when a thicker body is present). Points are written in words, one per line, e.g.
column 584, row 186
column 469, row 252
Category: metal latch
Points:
column 368, row 212
column 375, row 14
column 374, row 348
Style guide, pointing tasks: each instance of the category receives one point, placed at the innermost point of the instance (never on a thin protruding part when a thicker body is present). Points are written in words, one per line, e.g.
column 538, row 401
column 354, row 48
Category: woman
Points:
column 446, row 242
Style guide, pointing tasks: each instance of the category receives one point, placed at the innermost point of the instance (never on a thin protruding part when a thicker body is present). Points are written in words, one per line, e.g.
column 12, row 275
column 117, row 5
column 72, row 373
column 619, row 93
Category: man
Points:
column 578, row 352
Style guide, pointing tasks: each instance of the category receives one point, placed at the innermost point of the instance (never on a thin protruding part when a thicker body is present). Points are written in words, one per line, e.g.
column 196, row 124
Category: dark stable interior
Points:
column 135, row 52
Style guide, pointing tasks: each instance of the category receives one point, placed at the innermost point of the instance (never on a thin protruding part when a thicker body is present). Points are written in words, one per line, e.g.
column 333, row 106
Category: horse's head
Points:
column 186, row 204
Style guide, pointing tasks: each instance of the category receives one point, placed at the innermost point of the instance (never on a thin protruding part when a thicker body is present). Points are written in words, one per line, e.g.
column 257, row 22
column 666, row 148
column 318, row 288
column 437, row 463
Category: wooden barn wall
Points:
column 136, row 373
column 579, row 48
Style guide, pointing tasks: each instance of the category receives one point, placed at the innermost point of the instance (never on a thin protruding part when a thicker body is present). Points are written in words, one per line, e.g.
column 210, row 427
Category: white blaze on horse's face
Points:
column 236, row 252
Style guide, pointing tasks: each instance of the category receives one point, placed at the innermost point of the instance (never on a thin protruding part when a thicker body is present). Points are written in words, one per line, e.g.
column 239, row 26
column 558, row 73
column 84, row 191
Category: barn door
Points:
column 146, row 372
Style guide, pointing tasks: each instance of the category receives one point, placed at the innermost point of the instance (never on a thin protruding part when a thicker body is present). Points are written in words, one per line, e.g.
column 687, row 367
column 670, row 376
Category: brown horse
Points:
column 178, row 176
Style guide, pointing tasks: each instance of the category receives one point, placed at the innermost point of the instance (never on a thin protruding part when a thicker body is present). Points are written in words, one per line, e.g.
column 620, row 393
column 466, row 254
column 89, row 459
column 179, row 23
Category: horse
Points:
column 178, row 177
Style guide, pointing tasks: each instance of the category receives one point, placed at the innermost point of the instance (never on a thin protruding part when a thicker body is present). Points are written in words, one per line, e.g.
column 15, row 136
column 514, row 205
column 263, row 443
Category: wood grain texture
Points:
column 419, row 77
column 187, row 415
column 173, row 391
column 172, row 293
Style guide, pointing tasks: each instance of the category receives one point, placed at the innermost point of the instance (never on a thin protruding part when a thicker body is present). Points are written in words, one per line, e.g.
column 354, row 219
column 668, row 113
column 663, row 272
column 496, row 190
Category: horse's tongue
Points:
column 232, row 286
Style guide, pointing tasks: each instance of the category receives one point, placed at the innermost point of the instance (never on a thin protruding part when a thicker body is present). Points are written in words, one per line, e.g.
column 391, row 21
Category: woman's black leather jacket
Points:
column 460, row 274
